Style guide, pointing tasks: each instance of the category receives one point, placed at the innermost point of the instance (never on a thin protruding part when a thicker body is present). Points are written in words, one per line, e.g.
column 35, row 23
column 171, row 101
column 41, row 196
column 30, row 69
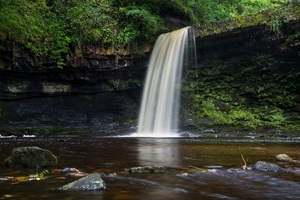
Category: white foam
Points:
column 152, row 135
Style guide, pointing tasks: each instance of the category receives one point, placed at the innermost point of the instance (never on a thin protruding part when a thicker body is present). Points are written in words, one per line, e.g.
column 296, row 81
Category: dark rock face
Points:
column 103, row 99
column 251, row 68
column 99, row 90
column 31, row 157
column 95, row 110
column 17, row 58
column 91, row 182
column 248, row 42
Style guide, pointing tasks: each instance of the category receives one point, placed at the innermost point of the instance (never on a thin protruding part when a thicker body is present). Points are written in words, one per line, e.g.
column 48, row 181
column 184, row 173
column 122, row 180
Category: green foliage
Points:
column 247, row 7
column 38, row 176
column 134, row 82
column 52, row 27
column 3, row 116
column 247, row 94
column 32, row 24
column 19, row 18
column 218, row 10
column 138, row 25
column 42, row 174
column 90, row 21
column 273, row 18
column 293, row 39
column 279, row 18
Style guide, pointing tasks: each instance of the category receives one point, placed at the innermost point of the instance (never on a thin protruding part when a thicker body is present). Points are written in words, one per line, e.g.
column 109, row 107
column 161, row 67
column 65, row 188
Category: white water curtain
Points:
column 159, row 107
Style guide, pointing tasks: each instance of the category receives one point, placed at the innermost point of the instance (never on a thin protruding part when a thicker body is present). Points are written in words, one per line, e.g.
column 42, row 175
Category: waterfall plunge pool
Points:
column 178, row 155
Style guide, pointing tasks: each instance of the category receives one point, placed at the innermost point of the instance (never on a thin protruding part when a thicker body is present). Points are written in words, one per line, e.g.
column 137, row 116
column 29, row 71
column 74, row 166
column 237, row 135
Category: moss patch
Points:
column 256, row 93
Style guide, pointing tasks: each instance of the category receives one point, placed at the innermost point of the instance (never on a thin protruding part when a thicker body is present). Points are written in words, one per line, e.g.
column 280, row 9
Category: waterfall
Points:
column 161, row 95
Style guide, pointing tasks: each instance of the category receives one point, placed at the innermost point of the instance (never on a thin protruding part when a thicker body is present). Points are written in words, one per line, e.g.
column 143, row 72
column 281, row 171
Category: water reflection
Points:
column 110, row 155
column 158, row 151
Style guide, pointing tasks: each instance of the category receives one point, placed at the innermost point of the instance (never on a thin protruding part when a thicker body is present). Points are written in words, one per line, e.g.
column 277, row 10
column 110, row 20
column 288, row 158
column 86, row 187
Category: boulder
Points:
column 91, row 182
column 147, row 169
column 31, row 157
column 265, row 166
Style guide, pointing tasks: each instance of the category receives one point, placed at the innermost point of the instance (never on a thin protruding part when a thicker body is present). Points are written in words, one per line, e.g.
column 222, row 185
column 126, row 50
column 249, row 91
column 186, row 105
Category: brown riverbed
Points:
column 178, row 155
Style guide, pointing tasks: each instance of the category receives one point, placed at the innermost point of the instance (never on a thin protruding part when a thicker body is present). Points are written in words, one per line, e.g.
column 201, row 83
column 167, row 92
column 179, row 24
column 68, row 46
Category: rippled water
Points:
column 178, row 155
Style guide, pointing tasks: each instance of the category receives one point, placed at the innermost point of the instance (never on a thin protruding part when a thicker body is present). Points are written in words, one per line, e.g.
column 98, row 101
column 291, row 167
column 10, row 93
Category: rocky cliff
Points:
column 246, row 77
column 94, row 90
column 247, row 67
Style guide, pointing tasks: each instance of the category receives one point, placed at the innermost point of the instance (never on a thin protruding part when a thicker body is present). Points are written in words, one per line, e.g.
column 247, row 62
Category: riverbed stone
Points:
column 90, row 182
column 31, row 157
column 265, row 166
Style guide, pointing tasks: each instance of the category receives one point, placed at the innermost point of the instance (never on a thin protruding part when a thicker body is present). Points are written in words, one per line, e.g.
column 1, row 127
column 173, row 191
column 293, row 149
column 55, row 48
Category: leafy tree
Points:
column 52, row 27
column 215, row 10
column 32, row 24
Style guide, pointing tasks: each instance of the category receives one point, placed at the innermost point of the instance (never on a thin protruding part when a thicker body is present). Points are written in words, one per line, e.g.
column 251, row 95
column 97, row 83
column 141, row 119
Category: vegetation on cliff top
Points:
column 53, row 27
column 272, row 18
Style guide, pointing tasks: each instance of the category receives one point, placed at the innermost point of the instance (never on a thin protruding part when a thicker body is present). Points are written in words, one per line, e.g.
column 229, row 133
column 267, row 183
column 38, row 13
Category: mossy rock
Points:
column 31, row 157
column 147, row 169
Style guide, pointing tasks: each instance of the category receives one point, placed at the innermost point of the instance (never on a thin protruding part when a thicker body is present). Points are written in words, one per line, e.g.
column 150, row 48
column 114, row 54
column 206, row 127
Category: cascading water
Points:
column 160, row 101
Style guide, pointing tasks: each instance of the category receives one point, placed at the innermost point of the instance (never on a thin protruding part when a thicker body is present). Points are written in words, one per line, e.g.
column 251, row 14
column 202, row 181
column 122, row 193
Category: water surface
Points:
column 178, row 155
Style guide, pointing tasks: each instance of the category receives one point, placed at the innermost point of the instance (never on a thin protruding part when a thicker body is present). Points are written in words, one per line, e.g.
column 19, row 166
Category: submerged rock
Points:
column 147, row 169
column 91, row 182
column 185, row 134
column 31, row 157
column 265, row 166
column 69, row 170
column 73, row 172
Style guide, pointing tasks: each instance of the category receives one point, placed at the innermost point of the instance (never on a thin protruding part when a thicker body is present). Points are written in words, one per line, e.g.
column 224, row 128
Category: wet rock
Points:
column 185, row 134
column 112, row 175
column 4, row 179
column 286, row 158
column 73, row 172
column 209, row 131
column 147, row 169
column 69, row 170
column 31, row 157
column 91, row 182
column 214, row 167
column 265, row 166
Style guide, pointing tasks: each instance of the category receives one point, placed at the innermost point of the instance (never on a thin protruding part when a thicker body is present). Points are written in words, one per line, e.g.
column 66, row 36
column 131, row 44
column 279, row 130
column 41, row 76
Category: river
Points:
column 218, row 159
